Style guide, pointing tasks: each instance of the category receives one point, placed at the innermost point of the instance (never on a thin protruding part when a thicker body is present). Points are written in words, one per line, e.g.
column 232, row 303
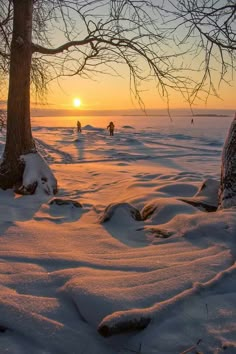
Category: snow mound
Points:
column 120, row 211
column 127, row 127
column 178, row 189
column 206, row 197
column 37, row 176
column 209, row 190
column 64, row 201
column 59, row 210
column 162, row 210
column 92, row 128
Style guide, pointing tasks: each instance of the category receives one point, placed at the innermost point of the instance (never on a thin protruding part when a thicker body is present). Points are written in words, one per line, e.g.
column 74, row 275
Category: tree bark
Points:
column 227, row 192
column 19, row 137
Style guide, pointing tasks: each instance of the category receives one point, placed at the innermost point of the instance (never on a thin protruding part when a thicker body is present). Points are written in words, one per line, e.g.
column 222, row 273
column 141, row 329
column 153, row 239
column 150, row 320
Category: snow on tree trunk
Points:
column 37, row 175
column 227, row 192
column 19, row 140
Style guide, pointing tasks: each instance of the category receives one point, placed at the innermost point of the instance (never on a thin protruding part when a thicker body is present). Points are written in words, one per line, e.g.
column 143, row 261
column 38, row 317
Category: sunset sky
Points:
column 109, row 92
column 106, row 92
column 113, row 93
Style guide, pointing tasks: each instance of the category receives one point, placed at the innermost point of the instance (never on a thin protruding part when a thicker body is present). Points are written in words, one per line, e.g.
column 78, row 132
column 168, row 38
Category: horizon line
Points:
column 122, row 112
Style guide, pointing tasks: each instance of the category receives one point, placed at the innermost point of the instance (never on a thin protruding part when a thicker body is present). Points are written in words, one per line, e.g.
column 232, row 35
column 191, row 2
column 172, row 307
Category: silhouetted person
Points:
column 192, row 121
column 79, row 127
column 111, row 128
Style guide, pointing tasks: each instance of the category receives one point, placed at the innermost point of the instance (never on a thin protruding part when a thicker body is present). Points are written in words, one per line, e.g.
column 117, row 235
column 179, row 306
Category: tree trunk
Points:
column 19, row 137
column 227, row 192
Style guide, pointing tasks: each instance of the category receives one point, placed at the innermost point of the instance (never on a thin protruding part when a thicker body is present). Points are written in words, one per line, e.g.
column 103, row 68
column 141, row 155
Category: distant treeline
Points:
column 211, row 115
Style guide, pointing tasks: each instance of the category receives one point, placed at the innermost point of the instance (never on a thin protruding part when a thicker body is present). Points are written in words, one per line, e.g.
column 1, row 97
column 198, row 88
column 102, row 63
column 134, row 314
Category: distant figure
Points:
column 111, row 128
column 192, row 121
column 79, row 127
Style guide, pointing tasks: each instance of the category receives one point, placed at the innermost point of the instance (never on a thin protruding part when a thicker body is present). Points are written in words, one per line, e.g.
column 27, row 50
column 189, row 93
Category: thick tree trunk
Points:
column 19, row 137
column 227, row 192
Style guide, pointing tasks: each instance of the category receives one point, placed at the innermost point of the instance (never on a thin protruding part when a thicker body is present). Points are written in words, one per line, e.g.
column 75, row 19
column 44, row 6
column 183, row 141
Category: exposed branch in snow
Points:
column 138, row 319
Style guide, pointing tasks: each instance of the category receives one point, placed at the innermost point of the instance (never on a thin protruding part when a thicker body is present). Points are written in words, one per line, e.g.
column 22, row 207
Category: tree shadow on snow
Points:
column 15, row 208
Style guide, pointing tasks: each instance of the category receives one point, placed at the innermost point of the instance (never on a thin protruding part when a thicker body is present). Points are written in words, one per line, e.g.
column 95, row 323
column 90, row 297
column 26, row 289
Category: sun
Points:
column 77, row 102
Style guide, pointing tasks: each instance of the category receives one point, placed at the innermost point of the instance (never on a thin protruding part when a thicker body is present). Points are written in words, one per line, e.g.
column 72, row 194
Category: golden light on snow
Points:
column 77, row 102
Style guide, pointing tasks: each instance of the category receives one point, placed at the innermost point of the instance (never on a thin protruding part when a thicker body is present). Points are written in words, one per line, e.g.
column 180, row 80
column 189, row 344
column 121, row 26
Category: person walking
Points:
column 79, row 130
column 111, row 128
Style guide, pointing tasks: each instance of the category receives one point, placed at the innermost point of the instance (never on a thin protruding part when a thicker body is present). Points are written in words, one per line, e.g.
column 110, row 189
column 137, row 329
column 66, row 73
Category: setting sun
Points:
column 77, row 102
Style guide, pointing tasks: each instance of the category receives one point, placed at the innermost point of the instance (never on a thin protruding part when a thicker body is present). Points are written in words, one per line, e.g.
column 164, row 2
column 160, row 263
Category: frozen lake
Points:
column 194, row 147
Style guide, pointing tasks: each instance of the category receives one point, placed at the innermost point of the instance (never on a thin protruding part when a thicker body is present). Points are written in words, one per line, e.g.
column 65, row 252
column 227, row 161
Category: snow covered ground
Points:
column 134, row 254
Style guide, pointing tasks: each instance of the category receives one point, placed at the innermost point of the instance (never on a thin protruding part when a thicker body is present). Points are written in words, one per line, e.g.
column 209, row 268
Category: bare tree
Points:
column 97, row 35
column 208, row 29
column 150, row 37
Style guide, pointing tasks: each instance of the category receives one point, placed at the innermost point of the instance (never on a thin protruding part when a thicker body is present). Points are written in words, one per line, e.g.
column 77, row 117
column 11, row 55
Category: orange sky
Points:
column 113, row 93
column 104, row 92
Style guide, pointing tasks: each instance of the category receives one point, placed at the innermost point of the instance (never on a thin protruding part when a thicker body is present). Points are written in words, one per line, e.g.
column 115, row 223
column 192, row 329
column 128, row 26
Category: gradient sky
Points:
column 105, row 92
column 113, row 93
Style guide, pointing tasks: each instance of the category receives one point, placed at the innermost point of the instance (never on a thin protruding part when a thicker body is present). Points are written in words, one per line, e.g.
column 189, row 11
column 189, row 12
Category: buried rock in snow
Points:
column 159, row 233
column 3, row 328
column 128, row 325
column 206, row 197
column 115, row 208
column 62, row 201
